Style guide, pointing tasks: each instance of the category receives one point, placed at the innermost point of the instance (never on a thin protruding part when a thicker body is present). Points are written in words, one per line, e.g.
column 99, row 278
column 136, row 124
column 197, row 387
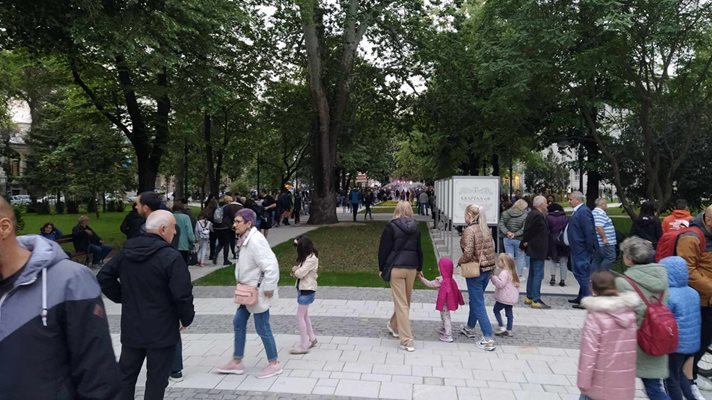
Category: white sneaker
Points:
column 486, row 345
column 696, row 391
column 393, row 333
column 407, row 347
column 703, row 383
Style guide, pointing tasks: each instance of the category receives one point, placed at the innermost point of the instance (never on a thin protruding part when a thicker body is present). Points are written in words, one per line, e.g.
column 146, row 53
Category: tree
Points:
column 546, row 174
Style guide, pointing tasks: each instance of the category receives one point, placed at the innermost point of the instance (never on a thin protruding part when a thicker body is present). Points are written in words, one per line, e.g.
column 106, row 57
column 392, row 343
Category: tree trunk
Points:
column 209, row 159
column 495, row 165
column 594, row 178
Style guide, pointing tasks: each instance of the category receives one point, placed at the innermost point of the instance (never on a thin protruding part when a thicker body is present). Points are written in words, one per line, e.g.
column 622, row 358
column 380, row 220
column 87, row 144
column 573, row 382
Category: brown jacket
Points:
column 699, row 265
column 473, row 244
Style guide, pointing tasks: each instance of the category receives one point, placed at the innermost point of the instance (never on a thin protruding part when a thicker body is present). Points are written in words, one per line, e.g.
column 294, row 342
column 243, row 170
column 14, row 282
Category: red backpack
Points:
column 657, row 334
column 667, row 245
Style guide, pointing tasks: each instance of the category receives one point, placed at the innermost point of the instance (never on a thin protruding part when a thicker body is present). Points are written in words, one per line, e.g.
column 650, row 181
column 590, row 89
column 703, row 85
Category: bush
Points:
column 59, row 207
column 20, row 225
column 72, row 207
column 42, row 208
column 115, row 205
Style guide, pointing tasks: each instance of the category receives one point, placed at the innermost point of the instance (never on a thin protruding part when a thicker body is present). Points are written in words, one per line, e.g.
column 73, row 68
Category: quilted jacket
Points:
column 684, row 302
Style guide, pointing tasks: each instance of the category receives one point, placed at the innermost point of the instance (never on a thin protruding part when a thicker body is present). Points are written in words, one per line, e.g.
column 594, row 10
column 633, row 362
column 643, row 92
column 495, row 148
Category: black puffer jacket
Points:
column 400, row 245
column 151, row 281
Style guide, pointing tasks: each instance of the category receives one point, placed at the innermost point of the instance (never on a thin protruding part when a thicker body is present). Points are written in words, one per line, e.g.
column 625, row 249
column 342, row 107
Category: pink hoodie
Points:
column 606, row 367
column 504, row 290
column 448, row 293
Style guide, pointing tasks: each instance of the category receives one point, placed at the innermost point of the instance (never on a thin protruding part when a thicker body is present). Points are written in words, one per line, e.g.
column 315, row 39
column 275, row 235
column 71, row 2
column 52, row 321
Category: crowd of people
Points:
column 653, row 321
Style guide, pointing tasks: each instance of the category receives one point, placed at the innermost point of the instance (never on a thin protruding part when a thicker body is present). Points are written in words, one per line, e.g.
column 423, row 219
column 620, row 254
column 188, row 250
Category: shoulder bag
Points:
column 247, row 294
column 472, row 268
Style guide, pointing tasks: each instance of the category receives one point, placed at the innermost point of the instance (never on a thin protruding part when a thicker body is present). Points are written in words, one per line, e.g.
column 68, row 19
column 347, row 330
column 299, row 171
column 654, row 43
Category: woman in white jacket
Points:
column 256, row 266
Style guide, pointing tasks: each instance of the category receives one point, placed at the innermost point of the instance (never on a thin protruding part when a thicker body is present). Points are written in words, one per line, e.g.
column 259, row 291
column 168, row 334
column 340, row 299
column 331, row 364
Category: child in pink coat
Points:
column 606, row 368
column 506, row 292
column 449, row 296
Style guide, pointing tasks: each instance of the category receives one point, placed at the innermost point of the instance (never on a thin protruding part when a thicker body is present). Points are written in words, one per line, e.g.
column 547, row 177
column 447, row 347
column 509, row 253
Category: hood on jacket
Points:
column 612, row 305
column 515, row 212
column 652, row 277
column 445, row 265
column 681, row 214
column 697, row 221
column 407, row 225
column 45, row 253
column 676, row 270
column 143, row 247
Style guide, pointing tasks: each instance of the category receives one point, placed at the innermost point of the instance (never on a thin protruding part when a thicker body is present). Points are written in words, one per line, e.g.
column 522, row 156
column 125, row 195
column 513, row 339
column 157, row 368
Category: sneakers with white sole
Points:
column 407, row 347
column 393, row 333
column 696, row 392
column 486, row 344
column 469, row 332
column 232, row 367
column 270, row 370
column 446, row 338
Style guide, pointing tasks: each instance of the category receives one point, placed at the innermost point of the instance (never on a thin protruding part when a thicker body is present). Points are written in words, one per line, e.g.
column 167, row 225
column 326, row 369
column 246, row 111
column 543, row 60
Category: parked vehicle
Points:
column 20, row 200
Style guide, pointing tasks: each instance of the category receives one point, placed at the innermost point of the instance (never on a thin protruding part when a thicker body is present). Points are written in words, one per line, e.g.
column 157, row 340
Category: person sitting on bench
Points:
column 86, row 240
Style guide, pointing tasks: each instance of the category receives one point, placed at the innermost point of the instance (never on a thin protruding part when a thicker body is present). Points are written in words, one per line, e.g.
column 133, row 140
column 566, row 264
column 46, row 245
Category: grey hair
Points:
column 159, row 218
column 538, row 200
column 576, row 194
column 638, row 250
column 247, row 215
column 600, row 201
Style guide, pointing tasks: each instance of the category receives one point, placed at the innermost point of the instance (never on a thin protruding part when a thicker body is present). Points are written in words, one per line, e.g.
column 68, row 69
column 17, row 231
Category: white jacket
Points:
column 306, row 272
column 256, row 258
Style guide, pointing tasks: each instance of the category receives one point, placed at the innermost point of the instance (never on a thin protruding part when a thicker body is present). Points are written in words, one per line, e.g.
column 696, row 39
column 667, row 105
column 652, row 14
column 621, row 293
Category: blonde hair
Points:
column 403, row 209
column 476, row 214
column 506, row 261
column 520, row 204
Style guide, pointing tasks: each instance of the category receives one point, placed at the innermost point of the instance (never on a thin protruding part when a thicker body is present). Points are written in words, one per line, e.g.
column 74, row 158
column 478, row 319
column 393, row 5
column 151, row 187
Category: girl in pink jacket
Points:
column 449, row 296
column 606, row 367
column 506, row 292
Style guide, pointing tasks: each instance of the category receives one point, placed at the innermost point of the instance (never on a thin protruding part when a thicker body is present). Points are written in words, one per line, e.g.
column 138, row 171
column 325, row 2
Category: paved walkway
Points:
column 356, row 358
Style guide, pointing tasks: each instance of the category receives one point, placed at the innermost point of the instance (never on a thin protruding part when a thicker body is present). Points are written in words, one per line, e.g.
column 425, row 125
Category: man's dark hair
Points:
column 681, row 204
column 152, row 200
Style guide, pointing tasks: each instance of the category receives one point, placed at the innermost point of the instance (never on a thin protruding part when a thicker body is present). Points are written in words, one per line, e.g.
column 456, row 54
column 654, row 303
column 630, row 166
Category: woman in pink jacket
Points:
column 606, row 367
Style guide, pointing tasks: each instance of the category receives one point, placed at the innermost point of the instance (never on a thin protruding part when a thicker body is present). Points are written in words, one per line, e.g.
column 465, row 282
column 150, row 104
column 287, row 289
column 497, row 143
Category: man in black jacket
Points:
column 151, row 281
column 54, row 335
column 536, row 244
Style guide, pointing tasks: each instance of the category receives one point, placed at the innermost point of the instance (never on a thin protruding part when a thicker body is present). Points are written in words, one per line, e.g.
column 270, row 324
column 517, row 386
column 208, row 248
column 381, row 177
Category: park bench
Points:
column 81, row 257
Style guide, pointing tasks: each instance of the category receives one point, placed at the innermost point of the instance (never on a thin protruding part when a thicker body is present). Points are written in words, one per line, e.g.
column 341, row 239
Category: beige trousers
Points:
column 402, row 280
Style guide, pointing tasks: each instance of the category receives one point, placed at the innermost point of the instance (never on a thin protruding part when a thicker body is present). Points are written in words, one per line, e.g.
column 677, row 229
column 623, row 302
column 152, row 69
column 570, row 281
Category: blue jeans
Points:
column 654, row 389
column 263, row 330
column 603, row 258
column 354, row 210
column 178, row 357
column 498, row 307
column 536, row 275
column 584, row 397
column 305, row 299
column 511, row 247
column 478, row 313
column 98, row 252
column 581, row 266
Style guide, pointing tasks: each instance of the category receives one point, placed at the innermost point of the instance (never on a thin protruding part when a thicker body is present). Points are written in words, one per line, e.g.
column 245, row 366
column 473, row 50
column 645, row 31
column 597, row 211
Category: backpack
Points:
column 667, row 245
column 657, row 334
column 204, row 232
column 218, row 215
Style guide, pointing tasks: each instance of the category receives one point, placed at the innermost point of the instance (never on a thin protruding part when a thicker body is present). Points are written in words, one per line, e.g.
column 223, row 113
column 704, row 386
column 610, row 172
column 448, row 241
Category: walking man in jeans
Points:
column 605, row 256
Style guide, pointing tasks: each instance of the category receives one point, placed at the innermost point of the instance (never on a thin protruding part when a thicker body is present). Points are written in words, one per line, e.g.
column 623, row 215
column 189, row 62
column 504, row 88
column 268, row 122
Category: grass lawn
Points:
column 107, row 226
column 348, row 256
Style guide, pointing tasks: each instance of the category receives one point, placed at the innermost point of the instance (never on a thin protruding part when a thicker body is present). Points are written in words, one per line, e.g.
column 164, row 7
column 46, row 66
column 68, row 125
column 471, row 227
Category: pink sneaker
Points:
column 232, row 367
column 270, row 370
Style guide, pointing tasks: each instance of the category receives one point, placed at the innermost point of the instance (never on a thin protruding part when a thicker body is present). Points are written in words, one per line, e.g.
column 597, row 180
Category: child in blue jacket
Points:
column 684, row 302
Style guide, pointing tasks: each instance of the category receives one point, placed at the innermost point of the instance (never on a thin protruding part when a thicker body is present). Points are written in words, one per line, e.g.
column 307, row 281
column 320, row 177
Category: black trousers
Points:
column 158, row 368
column 705, row 337
column 223, row 244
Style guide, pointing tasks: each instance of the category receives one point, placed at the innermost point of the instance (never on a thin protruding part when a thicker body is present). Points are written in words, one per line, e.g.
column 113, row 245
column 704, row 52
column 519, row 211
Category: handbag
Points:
column 193, row 258
column 246, row 294
column 472, row 269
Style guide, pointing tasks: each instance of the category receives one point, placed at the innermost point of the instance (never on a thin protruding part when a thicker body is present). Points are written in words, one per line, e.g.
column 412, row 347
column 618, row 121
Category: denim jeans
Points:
column 498, row 307
column 354, row 210
column 478, row 313
column 536, row 275
column 584, row 397
column 603, row 258
column 654, row 389
column 511, row 247
column 581, row 266
column 98, row 252
column 677, row 385
column 178, row 357
column 305, row 299
column 263, row 330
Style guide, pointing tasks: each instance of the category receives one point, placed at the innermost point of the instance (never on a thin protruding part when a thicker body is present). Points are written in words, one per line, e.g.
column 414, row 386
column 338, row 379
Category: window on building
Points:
column 14, row 167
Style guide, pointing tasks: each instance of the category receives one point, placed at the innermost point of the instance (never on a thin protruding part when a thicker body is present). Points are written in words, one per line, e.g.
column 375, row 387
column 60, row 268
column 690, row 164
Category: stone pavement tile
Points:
column 488, row 375
column 376, row 377
column 333, row 366
column 305, row 364
column 422, row 370
column 538, row 365
column 504, row 385
column 300, row 373
column 349, row 355
column 251, row 383
column 499, row 394
column 515, row 376
column 348, row 387
column 289, row 384
column 360, row 367
column 230, row 382
column 346, row 375
column 325, row 390
column 428, row 392
column 416, row 380
column 511, row 365
column 555, row 388
column 393, row 369
column 200, row 380
column 390, row 390
column 467, row 393
column 320, row 374
column 429, row 380
column 526, row 395
column 477, row 383
column 460, row 373
column 454, row 382
column 542, row 378
column 327, row 382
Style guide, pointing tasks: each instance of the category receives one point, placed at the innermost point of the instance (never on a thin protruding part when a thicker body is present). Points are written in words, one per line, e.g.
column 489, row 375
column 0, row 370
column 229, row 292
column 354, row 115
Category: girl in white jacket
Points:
column 305, row 271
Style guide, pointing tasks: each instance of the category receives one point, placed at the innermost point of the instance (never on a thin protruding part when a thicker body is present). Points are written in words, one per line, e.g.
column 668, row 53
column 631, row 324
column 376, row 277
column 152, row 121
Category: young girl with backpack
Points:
column 506, row 292
column 449, row 296
column 202, row 232
column 606, row 368
column 305, row 271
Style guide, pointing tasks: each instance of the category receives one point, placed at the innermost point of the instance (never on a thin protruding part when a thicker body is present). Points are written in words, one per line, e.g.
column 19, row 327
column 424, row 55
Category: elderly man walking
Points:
column 582, row 242
column 151, row 281
column 536, row 244
column 605, row 256
column 54, row 336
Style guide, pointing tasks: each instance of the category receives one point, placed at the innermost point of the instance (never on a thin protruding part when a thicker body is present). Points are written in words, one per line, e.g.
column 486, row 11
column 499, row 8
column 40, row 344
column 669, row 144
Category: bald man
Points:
column 699, row 265
column 151, row 281
column 54, row 336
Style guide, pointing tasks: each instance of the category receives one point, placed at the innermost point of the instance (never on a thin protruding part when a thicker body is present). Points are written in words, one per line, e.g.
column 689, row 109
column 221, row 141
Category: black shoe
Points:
column 562, row 284
column 552, row 282
column 176, row 376
column 578, row 307
column 575, row 301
